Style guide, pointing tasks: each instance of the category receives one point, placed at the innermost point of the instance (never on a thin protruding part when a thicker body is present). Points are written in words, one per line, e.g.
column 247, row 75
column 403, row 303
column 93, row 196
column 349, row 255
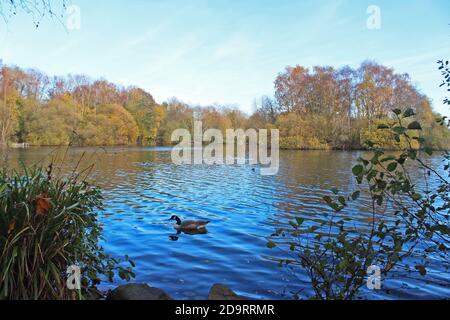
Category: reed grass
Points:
column 46, row 225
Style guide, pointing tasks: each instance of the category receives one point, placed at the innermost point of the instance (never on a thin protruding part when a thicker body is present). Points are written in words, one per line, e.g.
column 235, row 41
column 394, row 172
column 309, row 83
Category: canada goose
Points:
column 190, row 225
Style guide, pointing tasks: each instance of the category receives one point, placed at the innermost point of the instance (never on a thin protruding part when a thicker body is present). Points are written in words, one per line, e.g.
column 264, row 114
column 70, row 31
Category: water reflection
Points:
column 176, row 236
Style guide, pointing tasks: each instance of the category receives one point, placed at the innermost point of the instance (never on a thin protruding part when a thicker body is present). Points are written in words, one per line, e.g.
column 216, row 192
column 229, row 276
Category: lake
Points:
column 142, row 189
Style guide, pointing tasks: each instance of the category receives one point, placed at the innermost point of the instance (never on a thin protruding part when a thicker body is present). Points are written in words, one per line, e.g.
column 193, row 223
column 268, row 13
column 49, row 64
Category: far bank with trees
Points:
column 321, row 108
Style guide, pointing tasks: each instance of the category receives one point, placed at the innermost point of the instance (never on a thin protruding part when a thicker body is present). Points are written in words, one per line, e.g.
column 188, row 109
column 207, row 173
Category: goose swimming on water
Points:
column 189, row 225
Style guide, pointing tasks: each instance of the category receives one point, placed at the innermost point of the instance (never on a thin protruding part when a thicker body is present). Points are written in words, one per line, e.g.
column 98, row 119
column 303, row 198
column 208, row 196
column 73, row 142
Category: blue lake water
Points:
column 142, row 189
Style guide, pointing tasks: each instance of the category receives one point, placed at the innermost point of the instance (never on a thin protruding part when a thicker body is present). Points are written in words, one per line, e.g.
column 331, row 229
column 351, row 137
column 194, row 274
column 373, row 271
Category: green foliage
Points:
column 46, row 225
column 405, row 221
column 337, row 263
column 377, row 135
column 423, row 214
column 445, row 70
column 336, row 255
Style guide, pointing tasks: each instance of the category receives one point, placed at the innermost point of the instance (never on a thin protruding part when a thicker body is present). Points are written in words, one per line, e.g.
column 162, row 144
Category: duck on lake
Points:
column 190, row 226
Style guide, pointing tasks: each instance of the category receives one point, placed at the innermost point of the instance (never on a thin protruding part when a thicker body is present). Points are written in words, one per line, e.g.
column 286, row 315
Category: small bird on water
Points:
column 189, row 225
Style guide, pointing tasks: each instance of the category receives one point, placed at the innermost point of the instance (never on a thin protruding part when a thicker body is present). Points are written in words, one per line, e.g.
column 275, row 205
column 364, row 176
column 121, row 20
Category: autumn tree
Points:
column 318, row 108
column 147, row 113
column 8, row 108
column 291, row 89
column 265, row 113
column 178, row 115
column 342, row 107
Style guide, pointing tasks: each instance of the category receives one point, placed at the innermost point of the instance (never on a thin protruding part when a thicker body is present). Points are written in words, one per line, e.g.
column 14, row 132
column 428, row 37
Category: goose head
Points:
column 176, row 218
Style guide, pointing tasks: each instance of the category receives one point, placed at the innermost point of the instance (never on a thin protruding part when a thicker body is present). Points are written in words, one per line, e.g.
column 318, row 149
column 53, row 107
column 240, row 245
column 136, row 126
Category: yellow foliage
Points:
column 385, row 138
column 301, row 131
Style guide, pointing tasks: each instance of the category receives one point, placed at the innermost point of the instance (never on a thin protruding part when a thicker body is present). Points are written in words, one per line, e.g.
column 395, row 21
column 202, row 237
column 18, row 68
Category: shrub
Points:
column 301, row 143
column 46, row 225
column 404, row 222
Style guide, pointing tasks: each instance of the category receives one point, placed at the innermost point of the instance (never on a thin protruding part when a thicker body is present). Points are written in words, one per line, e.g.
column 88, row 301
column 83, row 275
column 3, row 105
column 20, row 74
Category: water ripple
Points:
column 142, row 189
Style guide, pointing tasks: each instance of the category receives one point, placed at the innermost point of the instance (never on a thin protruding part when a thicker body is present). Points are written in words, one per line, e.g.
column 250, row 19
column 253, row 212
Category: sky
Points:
column 230, row 51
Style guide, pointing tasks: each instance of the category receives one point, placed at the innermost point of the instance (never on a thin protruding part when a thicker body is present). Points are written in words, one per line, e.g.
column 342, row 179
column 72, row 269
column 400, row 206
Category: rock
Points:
column 94, row 294
column 136, row 291
column 221, row 292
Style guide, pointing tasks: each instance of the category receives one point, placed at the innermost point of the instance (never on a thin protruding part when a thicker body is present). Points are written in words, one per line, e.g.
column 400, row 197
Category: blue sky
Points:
column 230, row 51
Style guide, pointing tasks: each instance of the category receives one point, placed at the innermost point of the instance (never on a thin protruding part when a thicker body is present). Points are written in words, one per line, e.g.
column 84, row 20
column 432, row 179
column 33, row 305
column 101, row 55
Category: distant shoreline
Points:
column 166, row 146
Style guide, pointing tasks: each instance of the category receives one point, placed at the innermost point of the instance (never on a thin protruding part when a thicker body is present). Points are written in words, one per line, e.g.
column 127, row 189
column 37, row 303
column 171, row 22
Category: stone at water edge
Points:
column 136, row 291
column 94, row 294
column 221, row 292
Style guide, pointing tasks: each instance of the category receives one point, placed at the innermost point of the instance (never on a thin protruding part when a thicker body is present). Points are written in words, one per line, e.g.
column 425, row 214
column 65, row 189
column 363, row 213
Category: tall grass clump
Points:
column 46, row 225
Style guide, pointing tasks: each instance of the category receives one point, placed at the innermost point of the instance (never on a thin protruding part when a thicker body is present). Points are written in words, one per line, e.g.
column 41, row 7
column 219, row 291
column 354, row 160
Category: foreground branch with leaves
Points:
column 408, row 219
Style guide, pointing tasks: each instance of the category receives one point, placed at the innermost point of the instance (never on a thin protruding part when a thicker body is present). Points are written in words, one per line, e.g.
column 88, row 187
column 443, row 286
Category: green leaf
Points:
column 388, row 158
column 441, row 228
column 419, row 139
column 383, row 126
column 416, row 196
column 300, row 221
column 122, row 274
column 359, row 179
column 356, row 195
column 399, row 130
column 412, row 154
column 421, row 270
column 401, row 159
column 357, row 170
column 428, row 150
column 335, row 206
column 414, row 126
column 408, row 113
column 379, row 200
column 271, row 244
column 372, row 174
column 397, row 111
column 392, row 166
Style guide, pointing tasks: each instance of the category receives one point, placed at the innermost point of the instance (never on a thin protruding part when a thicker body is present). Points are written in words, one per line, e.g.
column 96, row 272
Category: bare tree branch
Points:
column 37, row 9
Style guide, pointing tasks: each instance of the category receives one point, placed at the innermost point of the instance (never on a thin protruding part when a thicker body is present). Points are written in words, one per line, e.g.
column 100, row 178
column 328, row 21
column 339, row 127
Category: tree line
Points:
column 321, row 108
